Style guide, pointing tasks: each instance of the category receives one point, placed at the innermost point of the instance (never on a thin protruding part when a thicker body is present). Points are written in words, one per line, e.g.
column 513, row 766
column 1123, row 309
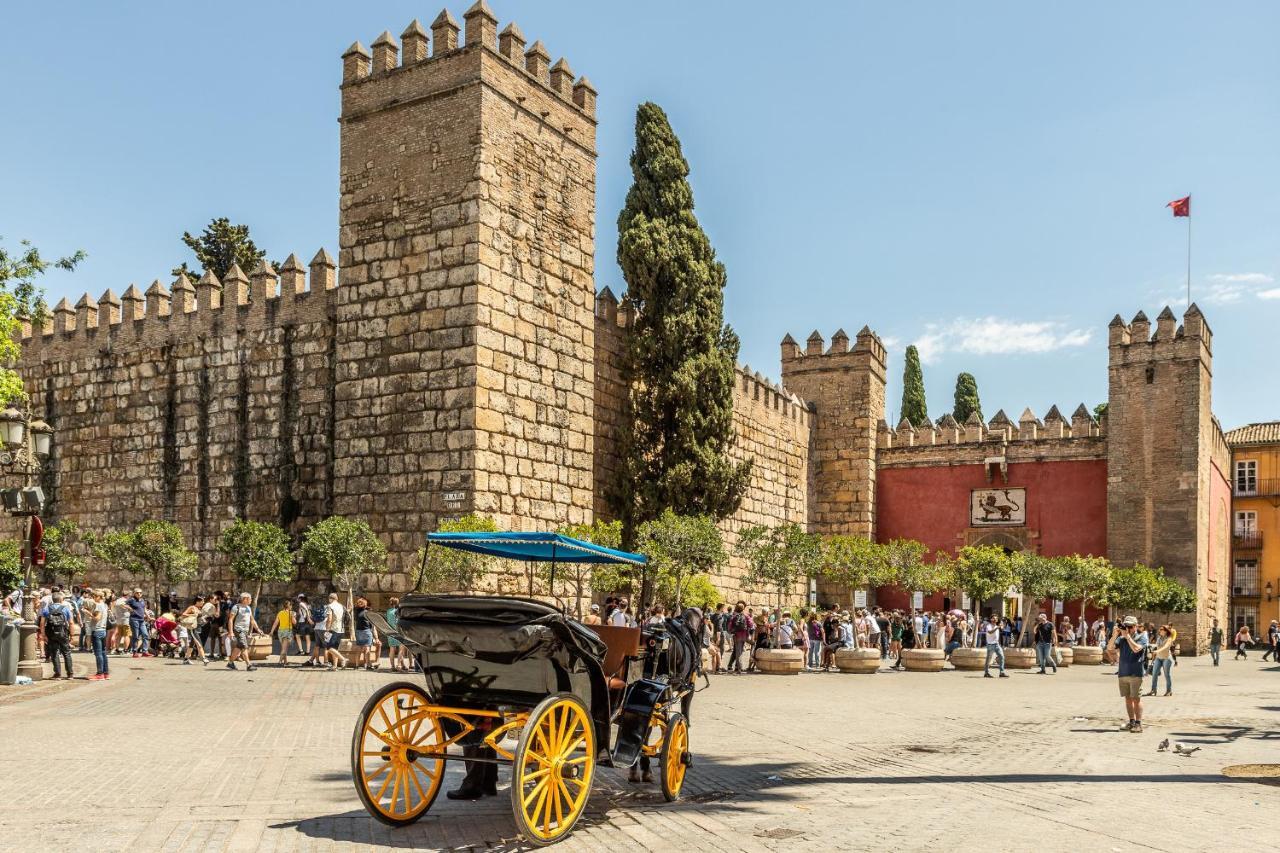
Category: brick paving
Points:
column 258, row 761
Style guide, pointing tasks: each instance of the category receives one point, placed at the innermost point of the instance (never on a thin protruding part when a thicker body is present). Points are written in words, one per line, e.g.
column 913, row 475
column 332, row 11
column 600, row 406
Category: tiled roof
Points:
column 1264, row 433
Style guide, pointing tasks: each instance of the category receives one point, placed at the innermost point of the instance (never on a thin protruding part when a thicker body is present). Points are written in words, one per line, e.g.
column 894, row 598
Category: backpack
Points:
column 55, row 624
column 737, row 622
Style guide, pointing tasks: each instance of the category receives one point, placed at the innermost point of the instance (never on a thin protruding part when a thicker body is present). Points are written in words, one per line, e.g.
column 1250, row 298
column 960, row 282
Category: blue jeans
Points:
column 1165, row 664
column 1214, row 651
column 994, row 650
column 1044, row 656
column 951, row 647
column 815, row 654
column 100, row 650
column 139, row 643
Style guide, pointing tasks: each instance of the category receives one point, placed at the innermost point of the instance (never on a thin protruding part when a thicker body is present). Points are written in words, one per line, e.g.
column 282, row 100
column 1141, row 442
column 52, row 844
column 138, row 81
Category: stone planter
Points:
column 858, row 660
column 1087, row 656
column 1020, row 659
column 259, row 647
column 780, row 661
column 923, row 660
column 969, row 660
column 1068, row 656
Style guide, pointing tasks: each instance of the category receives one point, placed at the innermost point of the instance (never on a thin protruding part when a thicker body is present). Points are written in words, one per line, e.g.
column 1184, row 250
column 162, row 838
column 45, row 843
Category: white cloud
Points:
column 1229, row 288
column 1243, row 277
column 997, row 336
column 1273, row 293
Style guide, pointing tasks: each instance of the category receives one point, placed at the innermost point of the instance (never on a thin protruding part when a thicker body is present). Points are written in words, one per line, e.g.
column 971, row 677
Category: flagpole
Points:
column 1188, row 258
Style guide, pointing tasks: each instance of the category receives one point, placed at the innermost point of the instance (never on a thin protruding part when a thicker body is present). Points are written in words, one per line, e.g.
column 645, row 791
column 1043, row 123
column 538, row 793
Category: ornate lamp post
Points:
column 26, row 444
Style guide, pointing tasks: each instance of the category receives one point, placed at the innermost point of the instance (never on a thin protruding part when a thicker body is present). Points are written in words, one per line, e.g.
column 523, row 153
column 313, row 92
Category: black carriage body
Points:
column 490, row 652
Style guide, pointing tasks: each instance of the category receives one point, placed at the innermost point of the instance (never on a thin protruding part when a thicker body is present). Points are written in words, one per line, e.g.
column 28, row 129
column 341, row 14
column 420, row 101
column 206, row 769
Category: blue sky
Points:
column 987, row 179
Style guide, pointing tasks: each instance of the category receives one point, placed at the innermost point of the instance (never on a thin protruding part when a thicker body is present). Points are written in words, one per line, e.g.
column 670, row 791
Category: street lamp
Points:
column 26, row 445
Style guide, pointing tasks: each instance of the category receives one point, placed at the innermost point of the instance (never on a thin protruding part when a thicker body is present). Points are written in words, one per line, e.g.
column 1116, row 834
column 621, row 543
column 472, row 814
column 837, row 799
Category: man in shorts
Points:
column 1130, row 642
column 240, row 624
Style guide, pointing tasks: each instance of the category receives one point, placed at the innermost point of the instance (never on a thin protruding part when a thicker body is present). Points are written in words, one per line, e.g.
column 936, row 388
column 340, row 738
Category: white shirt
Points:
column 618, row 618
column 918, row 621
column 993, row 634
column 333, row 614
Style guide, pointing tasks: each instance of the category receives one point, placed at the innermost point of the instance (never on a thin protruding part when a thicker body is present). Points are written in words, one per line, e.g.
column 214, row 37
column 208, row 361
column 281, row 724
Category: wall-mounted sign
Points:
column 453, row 497
column 917, row 600
column 965, row 602
column 859, row 598
column 1057, row 608
column 998, row 507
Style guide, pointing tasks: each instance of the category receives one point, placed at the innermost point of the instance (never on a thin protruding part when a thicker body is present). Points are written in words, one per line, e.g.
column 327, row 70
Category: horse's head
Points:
column 693, row 618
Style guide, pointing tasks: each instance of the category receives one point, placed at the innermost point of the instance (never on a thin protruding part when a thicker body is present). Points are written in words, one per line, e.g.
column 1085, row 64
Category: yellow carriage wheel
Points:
column 553, row 768
column 675, row 756
column 395, row 782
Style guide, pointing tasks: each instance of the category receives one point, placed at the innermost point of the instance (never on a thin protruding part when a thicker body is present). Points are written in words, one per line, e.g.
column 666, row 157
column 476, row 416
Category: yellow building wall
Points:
column 1266, row 503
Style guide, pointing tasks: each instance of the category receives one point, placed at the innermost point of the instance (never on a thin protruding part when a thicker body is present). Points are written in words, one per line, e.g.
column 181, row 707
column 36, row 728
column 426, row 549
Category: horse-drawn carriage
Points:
column 513, row 681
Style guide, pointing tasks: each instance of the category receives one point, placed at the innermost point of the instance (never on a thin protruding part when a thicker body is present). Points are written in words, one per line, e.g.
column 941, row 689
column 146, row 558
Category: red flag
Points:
column 1181, row 206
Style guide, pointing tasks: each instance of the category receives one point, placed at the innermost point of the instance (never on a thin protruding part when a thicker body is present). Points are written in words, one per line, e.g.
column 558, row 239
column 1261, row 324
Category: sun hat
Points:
column 1130, row 620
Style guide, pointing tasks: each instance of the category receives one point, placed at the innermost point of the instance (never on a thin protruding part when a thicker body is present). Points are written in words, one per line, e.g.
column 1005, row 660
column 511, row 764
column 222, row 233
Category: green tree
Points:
column 1133, row 588
column 905, row 566
column 579, row 579
column 966, row 398
column 161, row 555
column 698, row 592
column 65, row 549
column 1170, row 595
column 680, row 357
column 981, row 572
column 914, row 408
column 448, row 569
column 778, row 557
column 1100, row 411
column 1086, row 579
column 853, row 562
column 21, row 297
column 1037, row 578
column 220, row 245
column 11, row 574
column 259, row 551
column 679, row 547
column 344, row 549
column 114, row 549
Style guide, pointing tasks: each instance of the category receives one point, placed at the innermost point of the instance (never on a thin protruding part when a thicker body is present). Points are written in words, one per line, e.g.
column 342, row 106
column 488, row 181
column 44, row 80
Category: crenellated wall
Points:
column 1030, row 439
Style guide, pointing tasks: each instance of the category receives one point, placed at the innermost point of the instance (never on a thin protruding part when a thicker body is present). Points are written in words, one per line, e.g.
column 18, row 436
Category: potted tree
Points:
column 1087, row 579
column 344, row 549
column 980, row 572
column 778, row 558
column 259, row 553
column 1037, row 578
column 852, row 562
column 160, row 554
column 680, row 547
column 905, row 564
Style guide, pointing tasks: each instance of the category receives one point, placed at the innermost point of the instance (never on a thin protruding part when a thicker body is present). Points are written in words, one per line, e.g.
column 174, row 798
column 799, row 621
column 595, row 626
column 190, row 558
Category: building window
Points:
column 1244, row 614
column 1247, row 477
column 1244, row 581
column 1246, row 523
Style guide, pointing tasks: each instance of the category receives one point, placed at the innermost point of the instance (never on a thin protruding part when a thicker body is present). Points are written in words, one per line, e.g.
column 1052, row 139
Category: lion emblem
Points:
column 995, row 509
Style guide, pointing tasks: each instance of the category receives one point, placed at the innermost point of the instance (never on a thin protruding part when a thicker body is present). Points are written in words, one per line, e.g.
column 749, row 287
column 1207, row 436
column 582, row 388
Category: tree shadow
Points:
column 1218, row 734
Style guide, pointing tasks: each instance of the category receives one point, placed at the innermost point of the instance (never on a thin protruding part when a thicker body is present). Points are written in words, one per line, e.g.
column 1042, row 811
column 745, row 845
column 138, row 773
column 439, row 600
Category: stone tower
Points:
column 846, row 388
column 466, row 317
column 1167, row 493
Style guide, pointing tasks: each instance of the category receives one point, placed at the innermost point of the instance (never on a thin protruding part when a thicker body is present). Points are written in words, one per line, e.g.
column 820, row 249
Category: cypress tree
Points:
column 680, row 355
column 913, row 403
column 966, row 400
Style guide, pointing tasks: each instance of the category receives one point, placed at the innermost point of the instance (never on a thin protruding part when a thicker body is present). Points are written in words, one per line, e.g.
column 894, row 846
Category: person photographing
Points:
column 1130, row 644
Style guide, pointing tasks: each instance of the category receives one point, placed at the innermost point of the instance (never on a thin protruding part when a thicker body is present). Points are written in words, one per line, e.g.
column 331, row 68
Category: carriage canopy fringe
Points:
column 544, row 547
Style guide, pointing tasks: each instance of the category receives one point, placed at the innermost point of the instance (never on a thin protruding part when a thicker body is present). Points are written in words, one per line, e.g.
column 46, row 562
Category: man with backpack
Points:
column 55, row 627
column 740, row 627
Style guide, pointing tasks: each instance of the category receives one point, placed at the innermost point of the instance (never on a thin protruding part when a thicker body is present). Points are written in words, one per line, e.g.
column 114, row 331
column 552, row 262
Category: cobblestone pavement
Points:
column 185, row 758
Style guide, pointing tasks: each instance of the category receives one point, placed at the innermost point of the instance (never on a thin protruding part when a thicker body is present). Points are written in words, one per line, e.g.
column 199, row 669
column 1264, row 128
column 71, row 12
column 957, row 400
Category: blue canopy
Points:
column 545, row 547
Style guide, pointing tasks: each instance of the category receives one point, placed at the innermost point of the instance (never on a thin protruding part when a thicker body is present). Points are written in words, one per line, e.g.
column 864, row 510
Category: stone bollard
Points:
column 923, row 660
column 969, row 660
column 858, row 660
column 780, row 661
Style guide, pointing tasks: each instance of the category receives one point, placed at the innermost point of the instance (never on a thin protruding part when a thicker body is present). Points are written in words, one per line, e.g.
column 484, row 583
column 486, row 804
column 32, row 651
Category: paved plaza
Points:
column 185, row 758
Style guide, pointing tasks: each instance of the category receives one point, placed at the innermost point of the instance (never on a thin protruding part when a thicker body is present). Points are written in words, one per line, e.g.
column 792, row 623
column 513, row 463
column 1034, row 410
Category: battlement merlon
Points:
column 389, row 77
column 137, row 319
column 867, row 352
column 1127, row 342
column 1001, row 430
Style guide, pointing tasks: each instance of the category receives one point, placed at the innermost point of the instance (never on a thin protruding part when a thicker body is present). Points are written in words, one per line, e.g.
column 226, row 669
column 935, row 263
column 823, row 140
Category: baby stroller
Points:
column 166, row 636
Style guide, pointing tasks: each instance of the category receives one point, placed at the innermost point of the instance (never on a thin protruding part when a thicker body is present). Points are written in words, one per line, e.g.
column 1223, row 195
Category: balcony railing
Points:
column 1261, row 488
column 1250, row 540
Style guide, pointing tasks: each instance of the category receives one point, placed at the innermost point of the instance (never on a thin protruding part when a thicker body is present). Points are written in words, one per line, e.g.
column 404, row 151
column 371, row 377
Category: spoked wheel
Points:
column 553, row 768
column 675, row 756
column 395, row 783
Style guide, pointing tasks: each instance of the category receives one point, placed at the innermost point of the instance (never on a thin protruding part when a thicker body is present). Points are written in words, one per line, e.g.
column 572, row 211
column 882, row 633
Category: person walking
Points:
column 304, row 625
column 282, row 627
column 1273, row 642
column 94, row 613
column 334, row 614
column 1163, row 659
column 398, row 653
column 189, row 631
column 55, row 624
column 994, row 648
column 740, row 628
column 138, row 643
column 240, row 625
column 365, row 655
column 1215, row 641
column 1046, row 643
column 1130, row 643
column 1244, row 638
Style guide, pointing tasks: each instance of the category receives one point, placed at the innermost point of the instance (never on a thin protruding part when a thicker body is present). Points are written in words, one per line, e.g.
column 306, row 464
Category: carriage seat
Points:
column 620, row 644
